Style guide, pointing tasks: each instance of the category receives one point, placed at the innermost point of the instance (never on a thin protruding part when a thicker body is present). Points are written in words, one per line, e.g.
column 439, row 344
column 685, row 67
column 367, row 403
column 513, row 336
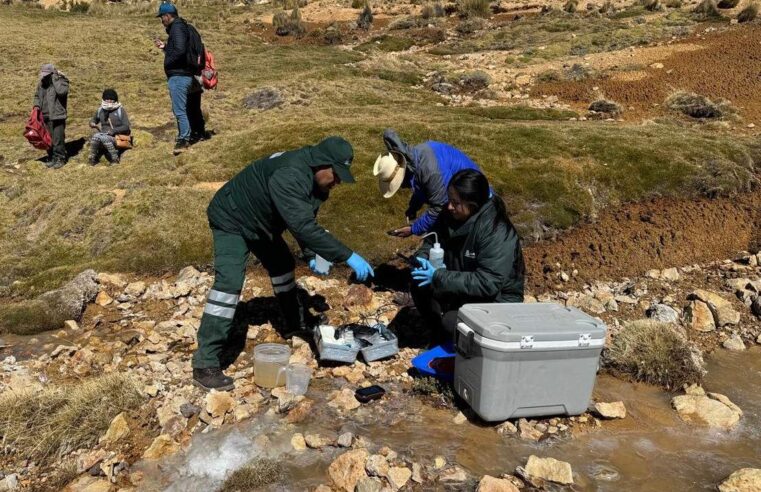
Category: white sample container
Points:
column 526, row 360
column 321, row 264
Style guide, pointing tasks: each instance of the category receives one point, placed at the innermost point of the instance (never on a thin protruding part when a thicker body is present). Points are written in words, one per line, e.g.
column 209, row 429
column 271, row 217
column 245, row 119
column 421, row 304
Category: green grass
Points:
column 147, row 215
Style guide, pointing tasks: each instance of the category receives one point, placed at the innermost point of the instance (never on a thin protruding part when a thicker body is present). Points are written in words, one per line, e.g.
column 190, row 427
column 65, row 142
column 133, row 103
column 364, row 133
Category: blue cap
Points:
column 166, row 8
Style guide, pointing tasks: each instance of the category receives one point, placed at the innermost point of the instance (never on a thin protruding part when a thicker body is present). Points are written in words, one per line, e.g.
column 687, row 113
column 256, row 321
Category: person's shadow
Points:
column 73, row 148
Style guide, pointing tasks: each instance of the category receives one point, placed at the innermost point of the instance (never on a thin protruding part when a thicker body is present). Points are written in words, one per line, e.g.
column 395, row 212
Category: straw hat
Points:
column 390, row 175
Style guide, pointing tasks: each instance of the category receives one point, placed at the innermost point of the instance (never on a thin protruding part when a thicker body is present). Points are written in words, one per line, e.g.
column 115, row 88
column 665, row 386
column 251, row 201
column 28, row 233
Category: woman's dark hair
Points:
column 473, row 188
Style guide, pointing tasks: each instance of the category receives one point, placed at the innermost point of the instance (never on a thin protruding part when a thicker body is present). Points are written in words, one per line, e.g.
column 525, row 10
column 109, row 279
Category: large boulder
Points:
column 347, row 470
column 743, row 480
column 663, row 313
column 699, row 317
column 711, row 409
column 52, row 309
column 722, row 310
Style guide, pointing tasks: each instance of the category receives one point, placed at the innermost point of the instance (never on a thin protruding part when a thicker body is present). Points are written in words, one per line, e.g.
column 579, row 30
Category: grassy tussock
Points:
column 728, row 4
column 46, row 424
column 707, row 9
column 748, row 14
column 473, row 8
column 606, row 107
column 655, row 353
column 697, row 106
column 254, row 476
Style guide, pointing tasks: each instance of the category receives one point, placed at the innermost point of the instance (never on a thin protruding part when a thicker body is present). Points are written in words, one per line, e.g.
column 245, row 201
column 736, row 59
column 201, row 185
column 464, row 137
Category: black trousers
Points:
column 195, row 115
column 57, row 129
column 439, row 315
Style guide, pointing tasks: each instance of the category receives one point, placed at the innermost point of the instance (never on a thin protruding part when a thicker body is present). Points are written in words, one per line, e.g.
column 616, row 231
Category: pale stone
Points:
column 103, row 299
column 459, row 419
column 115, row 279
column 316, row 441
column 9, row 482
column 218, row 403
column 670, row 274
column 723, row 312
column 711, row 410
column 742, row 480
column 655, row 274
column 348, row 469
column 135, row 289
column 614, row 410
column 454, row 474
column 734, row 343
column 507, row 427
column 118, row 429
column 71, row 324
column 492, row 484
column 398, row 476
column 345, row 440
column 298, row 442
column 162, row 446
column 87, row 483
column 549, row 469
column 439, row 462
column 377, row 466
column 698, row 316
column 663, row 313
column 586, row 303
column 345, row 400
column 527, row 431
column 369, row 484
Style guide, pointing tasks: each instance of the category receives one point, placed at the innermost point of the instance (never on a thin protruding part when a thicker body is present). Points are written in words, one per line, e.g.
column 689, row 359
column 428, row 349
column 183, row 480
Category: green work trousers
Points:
column 220, row 332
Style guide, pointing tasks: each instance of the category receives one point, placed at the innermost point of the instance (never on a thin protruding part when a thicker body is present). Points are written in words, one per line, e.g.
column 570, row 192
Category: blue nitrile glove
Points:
column 313, row 267
column 424, row 275
column 361, row 268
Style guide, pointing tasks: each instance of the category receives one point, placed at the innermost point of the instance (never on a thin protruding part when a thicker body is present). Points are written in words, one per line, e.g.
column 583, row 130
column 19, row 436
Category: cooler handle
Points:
column 464, row 346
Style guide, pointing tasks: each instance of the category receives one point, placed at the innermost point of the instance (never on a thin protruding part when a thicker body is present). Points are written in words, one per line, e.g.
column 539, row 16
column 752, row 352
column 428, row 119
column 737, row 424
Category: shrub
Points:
column 606, row 107
column 655, row 353
column 365, row 18
column 469, row 26
column 42, row 425
column 333, row 35
column 707, row 9
column 280, row 21
column 254, row 476
column 285, row 24
column 431, row 10
column 403, row 23
column 697, row 106
column 474, row 81
column 748, row 14
column 651, row 5
column 358, row 4
column 728, row 4
column 571, row 6
column 549, row 76
column 473, row 8
column 578, row 72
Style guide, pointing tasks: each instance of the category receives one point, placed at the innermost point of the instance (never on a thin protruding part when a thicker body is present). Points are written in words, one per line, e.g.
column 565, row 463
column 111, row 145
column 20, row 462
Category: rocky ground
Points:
column 146, row 328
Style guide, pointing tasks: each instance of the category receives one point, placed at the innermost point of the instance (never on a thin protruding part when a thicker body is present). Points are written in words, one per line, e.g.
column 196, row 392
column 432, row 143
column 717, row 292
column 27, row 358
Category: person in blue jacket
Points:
column 426, row 168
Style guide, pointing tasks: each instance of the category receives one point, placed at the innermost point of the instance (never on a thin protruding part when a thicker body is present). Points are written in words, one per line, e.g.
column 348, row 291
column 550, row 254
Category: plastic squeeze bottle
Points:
column 436, row 254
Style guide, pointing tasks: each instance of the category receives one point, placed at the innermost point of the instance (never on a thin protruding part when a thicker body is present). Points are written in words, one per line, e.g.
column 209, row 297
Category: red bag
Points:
column 209, row 72
column 36, row 132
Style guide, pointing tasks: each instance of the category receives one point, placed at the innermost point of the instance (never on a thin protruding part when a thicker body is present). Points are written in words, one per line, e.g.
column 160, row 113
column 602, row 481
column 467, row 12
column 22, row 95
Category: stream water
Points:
column 652, row 449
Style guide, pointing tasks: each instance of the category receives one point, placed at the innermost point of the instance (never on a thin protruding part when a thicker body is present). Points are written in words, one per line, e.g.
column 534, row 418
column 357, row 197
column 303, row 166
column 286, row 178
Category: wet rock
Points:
column 300, row 412
column 454, row 474
column 118, row 429
column 162, row 446
column 344, row 400
column 549, row 469
column 698, row 316
column 722, row 310
column 316, row 441
column 345, row 440
column 507, row 428
column 492, row 484
column 71, row 299
column 439, row 462
column 243, row 412
column 398, row 476
column 264, row 99
column 527, row 431
column 743, row 480
column 175, row 426
column 348, row 469
column 358, row 295
column 219, row 403
column 188, row 410
column 712, row 409
column 377, row 466
column 298, row 442
column 662, row 313
column 417, row 473
column 70, row 324
column 734, row 343
column 369, row 484
column 755, row 307
column 614, row 410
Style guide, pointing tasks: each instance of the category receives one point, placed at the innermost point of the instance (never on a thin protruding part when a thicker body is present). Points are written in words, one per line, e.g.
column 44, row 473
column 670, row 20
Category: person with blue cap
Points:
column 249, row 214
column 183, row 62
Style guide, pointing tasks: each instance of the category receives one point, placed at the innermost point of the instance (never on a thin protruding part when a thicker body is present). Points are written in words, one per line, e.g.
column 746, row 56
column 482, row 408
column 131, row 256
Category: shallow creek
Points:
column 650, row 450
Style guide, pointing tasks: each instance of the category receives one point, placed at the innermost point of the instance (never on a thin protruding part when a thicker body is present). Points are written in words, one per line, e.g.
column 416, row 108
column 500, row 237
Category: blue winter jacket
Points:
column 431, row 164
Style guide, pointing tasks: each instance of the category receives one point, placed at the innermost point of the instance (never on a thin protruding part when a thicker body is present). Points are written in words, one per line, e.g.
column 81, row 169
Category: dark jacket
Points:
column 274, row 194
column 176, row 49
column 114, row 122
column 431, row 164
column 51, row 97
column 483, row 264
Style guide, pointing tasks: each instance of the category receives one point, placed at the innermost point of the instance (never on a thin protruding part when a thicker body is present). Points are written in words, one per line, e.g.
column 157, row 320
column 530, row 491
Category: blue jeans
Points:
column 179, row 87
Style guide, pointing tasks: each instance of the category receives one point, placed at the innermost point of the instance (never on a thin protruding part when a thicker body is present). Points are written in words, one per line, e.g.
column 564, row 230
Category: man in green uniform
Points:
column 249, row 215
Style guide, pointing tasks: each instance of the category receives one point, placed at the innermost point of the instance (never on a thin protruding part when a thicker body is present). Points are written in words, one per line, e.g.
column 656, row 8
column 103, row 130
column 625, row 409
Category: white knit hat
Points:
column 390, row 175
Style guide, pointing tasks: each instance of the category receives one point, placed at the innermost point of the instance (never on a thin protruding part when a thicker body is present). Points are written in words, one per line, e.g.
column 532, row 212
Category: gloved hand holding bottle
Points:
column 361, row 267
column 424, row 275
column 316, row 268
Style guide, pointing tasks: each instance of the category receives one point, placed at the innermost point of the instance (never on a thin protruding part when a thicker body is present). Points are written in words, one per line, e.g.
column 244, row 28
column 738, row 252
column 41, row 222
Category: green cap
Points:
column 336, row 152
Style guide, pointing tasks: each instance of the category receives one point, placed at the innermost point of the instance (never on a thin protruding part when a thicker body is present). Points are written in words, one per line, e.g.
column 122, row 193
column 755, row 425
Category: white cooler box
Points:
column 526, row 360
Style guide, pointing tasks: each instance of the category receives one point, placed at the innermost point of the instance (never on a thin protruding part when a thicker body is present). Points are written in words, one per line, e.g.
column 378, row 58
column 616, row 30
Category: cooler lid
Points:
column 510, row 322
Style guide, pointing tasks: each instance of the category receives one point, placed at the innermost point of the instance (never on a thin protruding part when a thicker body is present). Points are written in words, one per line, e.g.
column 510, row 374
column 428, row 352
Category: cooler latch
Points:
column 584, row 339
column 527, row 342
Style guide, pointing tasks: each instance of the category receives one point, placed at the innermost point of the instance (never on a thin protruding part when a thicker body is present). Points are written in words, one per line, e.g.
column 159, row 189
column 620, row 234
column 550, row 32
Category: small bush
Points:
column 606, row 107
column 403, row 23
column 79, row 7
column 655, row 353
column 728, row 4
column 358, row 4
column 332, row 35
column 431, row 10
column 42, row 425
column 748, row 14
column 254, row 476
column 365, row 19
column 469, row 26
column 697, row 106
column 707, row 9
column 288, row 24
column 549, row 76
column 578, row 72
column 474, row 8
column 571, row 6
column 474, row 81
column 651, row 5
column 280, row 20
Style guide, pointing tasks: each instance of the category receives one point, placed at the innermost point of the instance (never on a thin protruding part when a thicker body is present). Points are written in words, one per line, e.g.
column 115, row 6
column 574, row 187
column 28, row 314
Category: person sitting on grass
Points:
column 109, row 120
column 483, row 261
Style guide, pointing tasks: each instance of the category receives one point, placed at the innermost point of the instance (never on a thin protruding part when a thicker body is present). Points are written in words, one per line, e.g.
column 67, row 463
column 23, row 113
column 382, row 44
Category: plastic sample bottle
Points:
column 436, row 254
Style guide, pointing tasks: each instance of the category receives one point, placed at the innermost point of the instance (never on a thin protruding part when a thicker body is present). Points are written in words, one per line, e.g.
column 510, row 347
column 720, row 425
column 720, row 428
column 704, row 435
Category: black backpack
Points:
column 195, row 53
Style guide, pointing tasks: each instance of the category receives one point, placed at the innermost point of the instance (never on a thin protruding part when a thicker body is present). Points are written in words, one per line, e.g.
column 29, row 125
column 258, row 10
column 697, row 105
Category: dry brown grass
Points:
column 655, row 353
column 43, row 425
column 254, row 476
column 748, row 14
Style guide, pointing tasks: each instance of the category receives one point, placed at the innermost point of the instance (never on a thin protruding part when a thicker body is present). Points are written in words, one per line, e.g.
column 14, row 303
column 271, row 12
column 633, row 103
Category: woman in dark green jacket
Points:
column 483, row 261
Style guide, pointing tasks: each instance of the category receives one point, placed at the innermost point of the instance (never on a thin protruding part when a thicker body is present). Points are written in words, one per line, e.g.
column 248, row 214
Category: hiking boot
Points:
column 212, row 378
column 196, row 137
column 181, row 146
column 57, row 164
column 92, row 160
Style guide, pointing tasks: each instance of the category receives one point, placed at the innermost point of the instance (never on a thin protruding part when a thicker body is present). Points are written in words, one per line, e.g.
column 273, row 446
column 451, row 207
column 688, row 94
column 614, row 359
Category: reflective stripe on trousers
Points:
column 283, row 283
